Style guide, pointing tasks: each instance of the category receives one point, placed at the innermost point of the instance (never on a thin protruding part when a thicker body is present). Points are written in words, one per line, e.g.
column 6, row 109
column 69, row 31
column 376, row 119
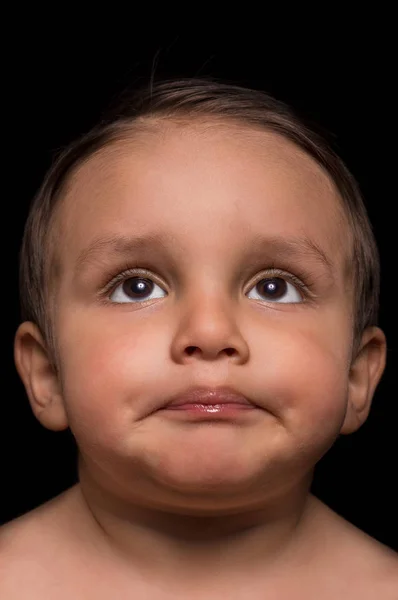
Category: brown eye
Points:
column 278, row 290
column 136, row 289
column 274, row 288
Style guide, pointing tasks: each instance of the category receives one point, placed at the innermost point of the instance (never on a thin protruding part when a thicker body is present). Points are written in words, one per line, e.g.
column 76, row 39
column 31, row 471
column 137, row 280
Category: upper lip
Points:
column 208, row 395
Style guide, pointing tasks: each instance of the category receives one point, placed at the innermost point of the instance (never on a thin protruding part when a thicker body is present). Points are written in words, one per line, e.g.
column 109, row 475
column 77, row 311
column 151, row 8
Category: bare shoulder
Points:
column 28, row 545
column 25, row 530
column 362, row 565
column 376, row 565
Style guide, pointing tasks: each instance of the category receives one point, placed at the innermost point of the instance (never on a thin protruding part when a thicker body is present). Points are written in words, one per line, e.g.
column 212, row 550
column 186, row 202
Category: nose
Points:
column 208, row 330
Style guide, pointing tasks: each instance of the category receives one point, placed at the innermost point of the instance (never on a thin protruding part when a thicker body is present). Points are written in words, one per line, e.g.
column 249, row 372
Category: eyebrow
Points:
column 119, row 246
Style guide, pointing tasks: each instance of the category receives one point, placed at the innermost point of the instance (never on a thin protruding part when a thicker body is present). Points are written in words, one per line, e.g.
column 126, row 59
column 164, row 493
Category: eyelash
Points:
column 272, row 271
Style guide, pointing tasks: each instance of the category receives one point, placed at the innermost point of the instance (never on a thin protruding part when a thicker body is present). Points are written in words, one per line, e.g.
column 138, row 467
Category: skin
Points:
column 216, row 503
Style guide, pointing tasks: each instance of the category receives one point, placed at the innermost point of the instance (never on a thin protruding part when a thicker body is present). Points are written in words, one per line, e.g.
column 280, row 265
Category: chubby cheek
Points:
column 106, row 371
column 307, row 386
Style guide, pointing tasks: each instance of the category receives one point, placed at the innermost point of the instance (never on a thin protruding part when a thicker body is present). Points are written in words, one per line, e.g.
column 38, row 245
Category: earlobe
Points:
column 365, row 373
column 39, row 377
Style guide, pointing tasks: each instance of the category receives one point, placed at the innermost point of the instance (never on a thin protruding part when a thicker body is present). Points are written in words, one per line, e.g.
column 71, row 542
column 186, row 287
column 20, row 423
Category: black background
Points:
column 57, row 85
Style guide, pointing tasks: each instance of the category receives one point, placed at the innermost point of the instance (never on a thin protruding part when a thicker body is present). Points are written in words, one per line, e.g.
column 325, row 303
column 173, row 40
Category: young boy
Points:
column 199, row 282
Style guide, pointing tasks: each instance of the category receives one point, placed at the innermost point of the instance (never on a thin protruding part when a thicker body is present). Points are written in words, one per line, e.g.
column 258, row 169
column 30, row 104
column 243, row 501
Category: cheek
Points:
column 105, row 368
column 306, row 381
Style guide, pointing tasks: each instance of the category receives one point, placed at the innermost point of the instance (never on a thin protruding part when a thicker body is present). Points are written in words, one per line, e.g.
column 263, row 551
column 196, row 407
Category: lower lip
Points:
column 210, row 411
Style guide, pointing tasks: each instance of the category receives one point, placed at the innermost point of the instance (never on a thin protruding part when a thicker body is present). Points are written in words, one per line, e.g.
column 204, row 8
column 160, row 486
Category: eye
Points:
column 136, row 289
column 276, row 289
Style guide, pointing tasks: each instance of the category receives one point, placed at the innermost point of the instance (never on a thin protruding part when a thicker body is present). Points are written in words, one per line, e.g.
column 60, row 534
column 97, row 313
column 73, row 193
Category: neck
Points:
column 202, row 545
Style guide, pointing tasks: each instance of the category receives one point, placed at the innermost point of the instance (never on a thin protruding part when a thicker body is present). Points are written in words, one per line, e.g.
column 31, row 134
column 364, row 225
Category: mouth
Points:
column 208, row 403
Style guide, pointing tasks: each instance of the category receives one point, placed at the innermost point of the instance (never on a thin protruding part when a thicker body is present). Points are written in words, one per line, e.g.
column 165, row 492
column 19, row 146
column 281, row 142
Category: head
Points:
column 257, row 269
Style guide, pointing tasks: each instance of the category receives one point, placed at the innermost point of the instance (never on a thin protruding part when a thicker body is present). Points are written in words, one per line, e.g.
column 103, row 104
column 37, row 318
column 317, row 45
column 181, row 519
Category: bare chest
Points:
column 84, row 583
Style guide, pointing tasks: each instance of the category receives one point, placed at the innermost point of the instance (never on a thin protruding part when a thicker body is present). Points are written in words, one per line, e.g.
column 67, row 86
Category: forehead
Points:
column 211, row 187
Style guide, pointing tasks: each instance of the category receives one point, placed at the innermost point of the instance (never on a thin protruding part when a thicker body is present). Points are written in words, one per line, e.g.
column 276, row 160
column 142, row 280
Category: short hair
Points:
column 194, row 99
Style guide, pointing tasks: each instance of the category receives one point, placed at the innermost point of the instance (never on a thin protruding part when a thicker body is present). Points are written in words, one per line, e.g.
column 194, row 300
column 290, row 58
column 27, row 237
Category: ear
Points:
column 39, row 377
column 365, row 373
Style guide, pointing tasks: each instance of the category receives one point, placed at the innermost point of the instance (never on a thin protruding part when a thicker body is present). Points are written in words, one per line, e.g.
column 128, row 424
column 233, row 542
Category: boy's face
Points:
column 212, row 193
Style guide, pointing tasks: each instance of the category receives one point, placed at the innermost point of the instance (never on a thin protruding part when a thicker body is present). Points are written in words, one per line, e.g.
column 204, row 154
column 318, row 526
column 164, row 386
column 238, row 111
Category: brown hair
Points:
column 193, row 98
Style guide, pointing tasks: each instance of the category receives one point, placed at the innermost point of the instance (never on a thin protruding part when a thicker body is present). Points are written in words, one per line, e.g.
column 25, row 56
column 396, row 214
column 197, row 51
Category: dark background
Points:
column 57, row 85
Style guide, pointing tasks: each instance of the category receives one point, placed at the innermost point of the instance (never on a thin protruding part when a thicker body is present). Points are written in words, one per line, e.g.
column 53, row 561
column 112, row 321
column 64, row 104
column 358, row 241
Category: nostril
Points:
column 191, row 350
